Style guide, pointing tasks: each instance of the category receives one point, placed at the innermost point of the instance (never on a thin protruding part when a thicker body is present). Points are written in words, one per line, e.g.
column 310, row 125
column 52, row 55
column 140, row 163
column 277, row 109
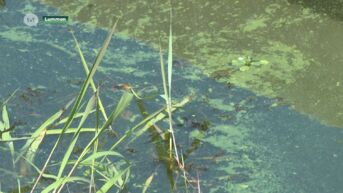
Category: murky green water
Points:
column 267, row 75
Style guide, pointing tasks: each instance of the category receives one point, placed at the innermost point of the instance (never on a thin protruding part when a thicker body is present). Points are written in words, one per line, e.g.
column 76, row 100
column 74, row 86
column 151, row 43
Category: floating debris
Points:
column 32, row 91
column 243, row 63
column 129, row 115
column 222, row 73
column 244, row 68
column 264, row 62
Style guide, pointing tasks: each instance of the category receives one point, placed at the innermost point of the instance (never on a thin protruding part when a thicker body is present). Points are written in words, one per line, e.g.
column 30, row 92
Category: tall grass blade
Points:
column 170, row 71
column 95, row 147
column 69, row 151
column 170, row 57
column 85, row 67
column 163, row 73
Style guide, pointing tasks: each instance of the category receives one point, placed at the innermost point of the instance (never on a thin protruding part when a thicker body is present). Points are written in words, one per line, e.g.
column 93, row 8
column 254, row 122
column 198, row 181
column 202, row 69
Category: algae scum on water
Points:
column 288, row 35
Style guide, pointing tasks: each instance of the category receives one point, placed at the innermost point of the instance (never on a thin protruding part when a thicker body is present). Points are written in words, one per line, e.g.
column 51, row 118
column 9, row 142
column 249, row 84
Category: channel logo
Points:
column 31, row 19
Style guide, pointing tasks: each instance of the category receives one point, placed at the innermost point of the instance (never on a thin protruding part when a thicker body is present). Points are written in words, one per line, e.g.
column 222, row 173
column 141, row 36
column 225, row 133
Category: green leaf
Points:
column 108, row 185
column 147, row 183
column 7, row 135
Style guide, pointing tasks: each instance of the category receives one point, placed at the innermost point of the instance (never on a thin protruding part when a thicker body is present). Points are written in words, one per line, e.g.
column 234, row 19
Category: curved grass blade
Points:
column 31, row 153
column 95, row 148
column 85, row 67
